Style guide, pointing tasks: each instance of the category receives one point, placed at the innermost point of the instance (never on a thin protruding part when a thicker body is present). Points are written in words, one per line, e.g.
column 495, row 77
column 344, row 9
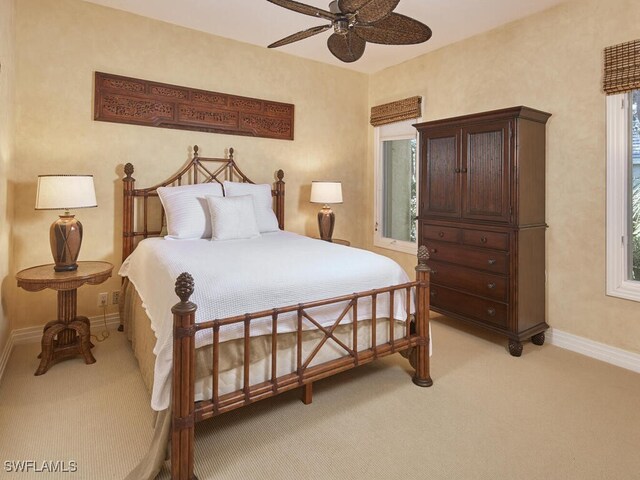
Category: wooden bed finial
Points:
column 184, row 286
column 195, row 150
column 128, row 170
column 231, row 154
column 423, row 256
column 280, row 175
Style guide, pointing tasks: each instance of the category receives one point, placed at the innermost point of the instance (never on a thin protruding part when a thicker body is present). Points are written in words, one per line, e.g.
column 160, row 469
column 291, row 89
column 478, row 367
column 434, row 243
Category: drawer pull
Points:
column 464, row 170
column 483, row 239
column 492, row 261
column 491, row 286
column 491, row 312
column 441, row 234
column 457, row 170
column 433, row 293
column 434, row 250
column 433, row 272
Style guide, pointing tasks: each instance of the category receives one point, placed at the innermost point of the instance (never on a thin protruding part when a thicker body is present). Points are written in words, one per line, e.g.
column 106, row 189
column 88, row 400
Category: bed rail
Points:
column 413, row 344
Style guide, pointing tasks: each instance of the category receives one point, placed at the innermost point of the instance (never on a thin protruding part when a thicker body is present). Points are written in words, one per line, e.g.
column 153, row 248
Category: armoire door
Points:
column 440, row 173
column 486, row 172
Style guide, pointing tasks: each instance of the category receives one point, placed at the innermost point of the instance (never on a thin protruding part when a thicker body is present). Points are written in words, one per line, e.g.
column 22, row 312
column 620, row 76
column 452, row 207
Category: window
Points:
column 623, row 195
column 396, row 175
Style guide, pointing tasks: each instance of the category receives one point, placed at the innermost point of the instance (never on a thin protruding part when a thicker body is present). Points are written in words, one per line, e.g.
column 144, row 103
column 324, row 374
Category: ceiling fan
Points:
column 356, row 22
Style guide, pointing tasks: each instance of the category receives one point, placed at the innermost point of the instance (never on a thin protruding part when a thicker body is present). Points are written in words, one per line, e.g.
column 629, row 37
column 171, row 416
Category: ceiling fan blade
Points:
column 300, row 36
column 368, row 11
column 348, row 47
column 305, row 9
column 395, row 29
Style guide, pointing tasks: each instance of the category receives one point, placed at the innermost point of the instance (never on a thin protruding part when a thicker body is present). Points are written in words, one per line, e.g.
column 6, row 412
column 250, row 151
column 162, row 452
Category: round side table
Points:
column 69, row 335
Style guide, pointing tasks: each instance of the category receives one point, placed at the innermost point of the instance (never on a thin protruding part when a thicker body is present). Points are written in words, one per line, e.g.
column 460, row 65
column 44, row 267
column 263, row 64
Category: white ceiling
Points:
column 260, row 23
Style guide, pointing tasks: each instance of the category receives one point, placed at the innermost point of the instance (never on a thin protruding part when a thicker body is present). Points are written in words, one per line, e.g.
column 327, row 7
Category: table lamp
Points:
column 326, row 193
column 64, row 192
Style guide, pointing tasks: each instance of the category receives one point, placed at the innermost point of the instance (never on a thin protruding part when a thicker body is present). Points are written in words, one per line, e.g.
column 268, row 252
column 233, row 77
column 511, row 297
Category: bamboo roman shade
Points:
column 622, row 67
column 396, row 111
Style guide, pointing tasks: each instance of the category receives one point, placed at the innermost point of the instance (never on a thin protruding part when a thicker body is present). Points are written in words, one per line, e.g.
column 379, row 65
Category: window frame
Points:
column 618, row 283
column 392, row 131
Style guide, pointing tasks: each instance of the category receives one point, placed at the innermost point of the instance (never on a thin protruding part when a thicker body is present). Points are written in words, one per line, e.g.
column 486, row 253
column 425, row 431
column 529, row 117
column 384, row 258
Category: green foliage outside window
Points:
column 413, row 209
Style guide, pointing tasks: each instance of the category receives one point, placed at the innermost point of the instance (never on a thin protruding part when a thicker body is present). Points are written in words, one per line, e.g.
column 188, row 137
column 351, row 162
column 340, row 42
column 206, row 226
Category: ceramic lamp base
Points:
column 65, row 237
column 326, row 221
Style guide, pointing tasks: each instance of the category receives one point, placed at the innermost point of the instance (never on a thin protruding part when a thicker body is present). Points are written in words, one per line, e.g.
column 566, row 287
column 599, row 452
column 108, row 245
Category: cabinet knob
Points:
column 483, row 239
column 491, row 286
column 434, row 250
column 433, row 272
column 433, row 293
column 441, row 234
column 491, row 261
column 491, row 311
column 464, row 170
column 457, row 170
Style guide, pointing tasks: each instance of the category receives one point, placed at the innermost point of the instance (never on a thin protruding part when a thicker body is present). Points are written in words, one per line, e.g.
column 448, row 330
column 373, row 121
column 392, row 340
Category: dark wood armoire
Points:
column 482, row 217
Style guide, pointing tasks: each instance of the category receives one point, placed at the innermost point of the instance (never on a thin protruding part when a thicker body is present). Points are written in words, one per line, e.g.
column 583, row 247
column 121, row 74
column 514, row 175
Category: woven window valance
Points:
column 396, row 111
column 622, row 67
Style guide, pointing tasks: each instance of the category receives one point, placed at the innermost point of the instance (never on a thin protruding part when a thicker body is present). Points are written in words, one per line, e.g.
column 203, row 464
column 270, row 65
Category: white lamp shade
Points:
column 326, row 192
column 63, row 192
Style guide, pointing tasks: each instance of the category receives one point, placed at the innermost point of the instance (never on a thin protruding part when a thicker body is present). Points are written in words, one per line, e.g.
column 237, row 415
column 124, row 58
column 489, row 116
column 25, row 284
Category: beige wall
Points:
column 7, row 68
column 551, row 61
column 60, row 43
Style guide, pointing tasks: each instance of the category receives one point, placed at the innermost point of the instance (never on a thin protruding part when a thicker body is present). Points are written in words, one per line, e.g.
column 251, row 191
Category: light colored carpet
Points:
column 551, row 414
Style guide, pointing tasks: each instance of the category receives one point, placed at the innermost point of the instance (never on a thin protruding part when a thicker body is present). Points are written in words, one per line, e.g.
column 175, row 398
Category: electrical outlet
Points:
column 103, row 299
column 115, row 297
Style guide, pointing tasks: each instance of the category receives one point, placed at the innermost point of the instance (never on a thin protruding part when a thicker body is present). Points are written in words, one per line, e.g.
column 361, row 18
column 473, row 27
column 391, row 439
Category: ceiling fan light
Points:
column 341, row 26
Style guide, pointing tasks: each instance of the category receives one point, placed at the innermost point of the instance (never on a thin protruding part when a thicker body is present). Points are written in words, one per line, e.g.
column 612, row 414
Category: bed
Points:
column 260, row 312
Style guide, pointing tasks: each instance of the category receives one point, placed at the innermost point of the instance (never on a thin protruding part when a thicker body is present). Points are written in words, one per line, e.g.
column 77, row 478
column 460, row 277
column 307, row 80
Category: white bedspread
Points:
column 244, row 276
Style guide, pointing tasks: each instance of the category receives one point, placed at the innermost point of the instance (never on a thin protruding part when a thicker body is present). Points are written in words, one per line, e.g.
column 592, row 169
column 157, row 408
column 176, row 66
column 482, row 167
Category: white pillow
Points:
column 232, row 218
column 262, row 202
column 187, row 210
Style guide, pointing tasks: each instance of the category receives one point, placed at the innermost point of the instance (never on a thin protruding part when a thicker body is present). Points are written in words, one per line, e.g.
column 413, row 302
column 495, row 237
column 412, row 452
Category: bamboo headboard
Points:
column 198, row 170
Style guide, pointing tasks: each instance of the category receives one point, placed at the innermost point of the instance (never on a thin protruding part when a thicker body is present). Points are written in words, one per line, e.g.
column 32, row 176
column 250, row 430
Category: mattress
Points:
column 241, row 276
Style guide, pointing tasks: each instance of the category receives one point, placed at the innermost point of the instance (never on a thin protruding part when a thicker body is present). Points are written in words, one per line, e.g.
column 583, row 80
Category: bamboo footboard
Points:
column 414, row 344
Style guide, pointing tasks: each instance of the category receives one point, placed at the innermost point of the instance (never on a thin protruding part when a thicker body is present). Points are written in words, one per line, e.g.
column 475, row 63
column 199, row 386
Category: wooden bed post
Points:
column 422, row 376
column 280, row 199
column 127, row 207
column 127, row 219
column 183, row 417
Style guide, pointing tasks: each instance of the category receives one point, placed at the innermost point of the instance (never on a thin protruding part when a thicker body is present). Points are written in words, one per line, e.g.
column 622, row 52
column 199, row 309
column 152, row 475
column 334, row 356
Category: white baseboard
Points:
column 6, row 353
column 600, row 351
column 22, row 336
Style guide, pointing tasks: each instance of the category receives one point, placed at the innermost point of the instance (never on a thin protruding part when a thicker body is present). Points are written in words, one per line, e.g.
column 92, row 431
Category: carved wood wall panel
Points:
column 143, row 102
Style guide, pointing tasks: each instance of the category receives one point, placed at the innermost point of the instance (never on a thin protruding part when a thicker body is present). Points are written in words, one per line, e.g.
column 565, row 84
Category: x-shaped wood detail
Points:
column 328, row 334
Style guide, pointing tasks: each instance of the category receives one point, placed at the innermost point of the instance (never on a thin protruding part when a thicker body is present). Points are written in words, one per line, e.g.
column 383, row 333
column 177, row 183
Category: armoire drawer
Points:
column 495, row 262
column 480, row 238
column 469, row 305
column 495, row 287
column 442, row 234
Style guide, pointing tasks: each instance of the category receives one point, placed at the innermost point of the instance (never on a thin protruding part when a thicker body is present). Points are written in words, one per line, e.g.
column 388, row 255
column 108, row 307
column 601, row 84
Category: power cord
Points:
column 105, row 333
